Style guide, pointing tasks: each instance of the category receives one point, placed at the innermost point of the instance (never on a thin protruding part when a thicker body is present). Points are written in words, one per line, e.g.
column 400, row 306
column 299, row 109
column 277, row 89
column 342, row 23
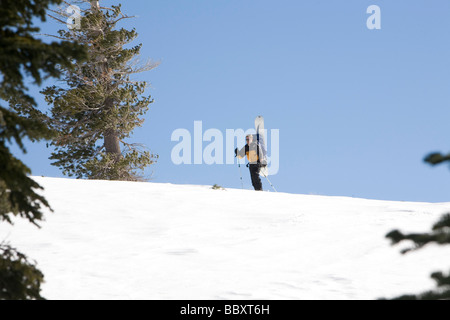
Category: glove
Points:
column 235, row 152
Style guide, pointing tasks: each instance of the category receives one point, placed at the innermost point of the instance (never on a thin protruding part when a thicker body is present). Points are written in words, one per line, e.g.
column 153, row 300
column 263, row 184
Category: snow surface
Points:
column 124, row 240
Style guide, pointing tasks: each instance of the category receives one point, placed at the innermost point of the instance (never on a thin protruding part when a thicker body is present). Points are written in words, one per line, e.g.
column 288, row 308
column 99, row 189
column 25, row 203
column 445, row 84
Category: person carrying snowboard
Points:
column 251, row 150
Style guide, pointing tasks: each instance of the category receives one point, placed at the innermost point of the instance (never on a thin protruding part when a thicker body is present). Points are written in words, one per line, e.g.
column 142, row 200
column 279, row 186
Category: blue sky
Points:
column 357, row 109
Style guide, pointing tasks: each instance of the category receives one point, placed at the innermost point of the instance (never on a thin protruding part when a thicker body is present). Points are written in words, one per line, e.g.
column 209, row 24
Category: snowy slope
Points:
column 120, row 240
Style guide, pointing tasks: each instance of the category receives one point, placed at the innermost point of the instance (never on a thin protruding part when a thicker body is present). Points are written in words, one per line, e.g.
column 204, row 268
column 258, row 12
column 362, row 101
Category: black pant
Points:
column 256, row 179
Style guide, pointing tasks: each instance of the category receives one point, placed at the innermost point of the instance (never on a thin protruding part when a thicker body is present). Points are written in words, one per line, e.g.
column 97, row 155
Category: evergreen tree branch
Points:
column 437, row 158
column 440, row 234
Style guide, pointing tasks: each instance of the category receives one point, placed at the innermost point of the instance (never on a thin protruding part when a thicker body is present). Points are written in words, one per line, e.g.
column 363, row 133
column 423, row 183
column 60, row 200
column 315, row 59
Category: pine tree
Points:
column 22, row 54
column 440, row 234
column 19, row 278
column 100, row 106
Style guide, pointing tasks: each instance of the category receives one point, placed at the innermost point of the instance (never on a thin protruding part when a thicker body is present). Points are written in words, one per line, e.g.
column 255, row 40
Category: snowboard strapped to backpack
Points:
column 260, row 138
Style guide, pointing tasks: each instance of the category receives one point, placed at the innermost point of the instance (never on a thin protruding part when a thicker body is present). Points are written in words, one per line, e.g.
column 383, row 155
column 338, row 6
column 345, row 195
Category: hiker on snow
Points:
column 251, row 150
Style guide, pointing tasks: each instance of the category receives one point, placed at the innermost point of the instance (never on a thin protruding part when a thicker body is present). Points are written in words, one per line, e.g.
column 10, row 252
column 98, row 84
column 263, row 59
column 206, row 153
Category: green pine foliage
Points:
column 440, row 234
column 100, row 105
column 437, row 158
column 17, row 191
column 19, row 278
column 22, row 54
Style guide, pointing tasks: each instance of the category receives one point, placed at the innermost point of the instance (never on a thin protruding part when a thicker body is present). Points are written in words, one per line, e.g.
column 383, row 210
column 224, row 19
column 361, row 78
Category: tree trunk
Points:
column 95, row 5
column 112, row 143
column 111, row 136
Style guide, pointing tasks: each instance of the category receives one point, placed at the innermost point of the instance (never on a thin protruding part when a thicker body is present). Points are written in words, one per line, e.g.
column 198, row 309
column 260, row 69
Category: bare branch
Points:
column 124, row 17
column 52, row 36
column 58, row 20
column 136, row 66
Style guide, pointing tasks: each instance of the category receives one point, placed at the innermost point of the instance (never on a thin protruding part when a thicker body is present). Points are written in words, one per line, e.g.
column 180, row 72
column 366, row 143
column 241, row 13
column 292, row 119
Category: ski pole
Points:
column 240, row 173
column 270, row 183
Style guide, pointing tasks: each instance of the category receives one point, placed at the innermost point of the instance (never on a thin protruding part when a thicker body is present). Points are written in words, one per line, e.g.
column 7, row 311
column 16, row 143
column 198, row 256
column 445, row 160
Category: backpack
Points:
column 261, row 145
